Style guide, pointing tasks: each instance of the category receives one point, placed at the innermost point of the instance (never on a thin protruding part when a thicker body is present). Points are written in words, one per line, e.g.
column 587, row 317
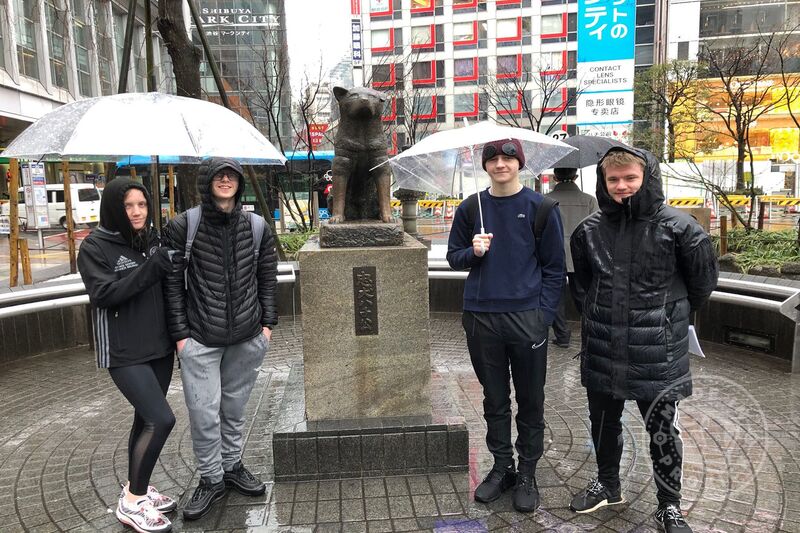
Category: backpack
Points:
column 539, row 223
column 193, row 216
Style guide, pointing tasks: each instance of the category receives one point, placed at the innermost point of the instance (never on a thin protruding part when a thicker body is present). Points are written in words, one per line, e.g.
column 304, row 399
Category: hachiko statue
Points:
column 360, row 144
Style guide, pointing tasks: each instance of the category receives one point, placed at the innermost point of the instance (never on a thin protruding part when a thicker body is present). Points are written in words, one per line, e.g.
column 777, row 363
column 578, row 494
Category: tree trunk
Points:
column 740, row 165
column 186, row 67
column 670, row 141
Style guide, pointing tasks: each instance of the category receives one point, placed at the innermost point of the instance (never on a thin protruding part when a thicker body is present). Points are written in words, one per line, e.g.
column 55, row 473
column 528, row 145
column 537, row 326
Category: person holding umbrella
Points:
column 641, row 268
column 574, row 205
column 122, row 265
column 510, row 299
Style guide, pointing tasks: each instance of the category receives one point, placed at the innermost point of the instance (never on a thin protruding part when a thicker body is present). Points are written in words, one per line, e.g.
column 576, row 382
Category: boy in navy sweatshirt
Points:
column 510, row 298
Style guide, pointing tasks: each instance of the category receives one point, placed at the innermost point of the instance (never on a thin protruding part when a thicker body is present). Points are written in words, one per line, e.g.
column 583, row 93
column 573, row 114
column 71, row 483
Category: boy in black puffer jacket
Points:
column 221, row 320
column 641, row 268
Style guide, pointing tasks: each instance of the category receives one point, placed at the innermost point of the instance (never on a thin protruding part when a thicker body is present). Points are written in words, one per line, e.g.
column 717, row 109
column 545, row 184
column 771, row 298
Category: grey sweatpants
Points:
column 217, row 382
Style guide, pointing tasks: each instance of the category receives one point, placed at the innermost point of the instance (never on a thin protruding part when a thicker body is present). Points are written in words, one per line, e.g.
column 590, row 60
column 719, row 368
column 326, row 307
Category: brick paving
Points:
column 64, row 430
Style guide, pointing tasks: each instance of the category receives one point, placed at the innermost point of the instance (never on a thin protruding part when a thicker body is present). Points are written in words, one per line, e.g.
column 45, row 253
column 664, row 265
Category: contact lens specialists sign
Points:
column 606, row 44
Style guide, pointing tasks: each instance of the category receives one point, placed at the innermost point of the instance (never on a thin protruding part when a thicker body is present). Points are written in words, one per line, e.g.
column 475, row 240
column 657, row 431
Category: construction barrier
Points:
column 685, row 202
column 448, row 211
column 397, row 203
column 782, row 201
column 739, row 200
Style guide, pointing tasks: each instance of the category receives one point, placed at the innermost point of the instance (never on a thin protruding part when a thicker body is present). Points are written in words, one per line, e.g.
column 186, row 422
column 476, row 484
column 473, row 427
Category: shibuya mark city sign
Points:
column 606, row 33
column 231, row 21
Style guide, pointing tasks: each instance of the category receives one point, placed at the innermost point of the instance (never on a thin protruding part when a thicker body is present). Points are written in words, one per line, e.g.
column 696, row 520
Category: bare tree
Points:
column 735, row 92
column 785, row 48
column 664, row 100
column 536, row 100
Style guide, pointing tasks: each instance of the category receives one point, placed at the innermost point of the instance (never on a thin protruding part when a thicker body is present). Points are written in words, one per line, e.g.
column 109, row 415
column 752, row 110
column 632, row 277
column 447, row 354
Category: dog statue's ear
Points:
column 339, row 93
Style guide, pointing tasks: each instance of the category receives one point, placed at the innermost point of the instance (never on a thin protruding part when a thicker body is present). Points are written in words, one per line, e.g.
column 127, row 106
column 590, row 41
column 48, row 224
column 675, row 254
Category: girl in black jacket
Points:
column 122, row 266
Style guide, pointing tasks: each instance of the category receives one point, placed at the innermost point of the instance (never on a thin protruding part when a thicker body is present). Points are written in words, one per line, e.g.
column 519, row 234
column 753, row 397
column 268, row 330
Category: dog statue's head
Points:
column 359, row 103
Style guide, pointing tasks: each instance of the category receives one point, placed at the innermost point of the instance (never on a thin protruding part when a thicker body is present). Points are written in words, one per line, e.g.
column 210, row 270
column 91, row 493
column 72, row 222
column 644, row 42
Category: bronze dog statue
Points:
column 360, row 145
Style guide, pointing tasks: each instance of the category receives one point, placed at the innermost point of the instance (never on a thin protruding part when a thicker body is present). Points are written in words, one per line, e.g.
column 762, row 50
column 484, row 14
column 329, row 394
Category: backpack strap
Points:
column 540, row 222
column 257, row 224
column 192, row 223
column 471, row 209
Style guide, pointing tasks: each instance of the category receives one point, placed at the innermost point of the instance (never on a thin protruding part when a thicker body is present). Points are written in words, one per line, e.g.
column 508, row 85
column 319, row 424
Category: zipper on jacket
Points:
column 226, row 270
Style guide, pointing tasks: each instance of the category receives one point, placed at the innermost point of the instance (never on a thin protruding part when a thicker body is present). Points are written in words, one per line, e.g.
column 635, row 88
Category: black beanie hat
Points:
column 494, row 148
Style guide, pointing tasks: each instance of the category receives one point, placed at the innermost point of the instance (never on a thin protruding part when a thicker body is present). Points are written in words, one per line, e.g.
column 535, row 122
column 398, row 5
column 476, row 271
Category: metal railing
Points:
column 59, row 296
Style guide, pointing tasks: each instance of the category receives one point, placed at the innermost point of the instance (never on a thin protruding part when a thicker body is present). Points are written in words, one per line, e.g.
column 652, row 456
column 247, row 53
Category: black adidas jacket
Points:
column 124, row 286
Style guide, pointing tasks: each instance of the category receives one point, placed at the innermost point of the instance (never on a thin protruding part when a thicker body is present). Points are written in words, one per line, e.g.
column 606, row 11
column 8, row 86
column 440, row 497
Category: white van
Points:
column 85, row 205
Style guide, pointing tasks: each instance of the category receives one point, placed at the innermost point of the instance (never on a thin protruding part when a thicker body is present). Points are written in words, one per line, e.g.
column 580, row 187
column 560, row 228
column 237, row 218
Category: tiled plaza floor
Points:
column 64, row 430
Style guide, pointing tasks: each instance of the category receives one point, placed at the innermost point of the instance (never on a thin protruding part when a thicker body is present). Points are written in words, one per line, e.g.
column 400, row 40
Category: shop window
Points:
column 382, row 40
column 422, row 36
column 465, row 105
column 509, row 67
column 509, row 30
column 465, row 69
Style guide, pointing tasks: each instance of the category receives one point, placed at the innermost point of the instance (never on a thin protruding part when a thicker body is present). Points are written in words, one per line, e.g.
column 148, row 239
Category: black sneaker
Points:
column 526, row 495
column 595, row 496
column 670, row 519
column 244, row 481
column 204, row 497
column 561, row 343
column 496, row 482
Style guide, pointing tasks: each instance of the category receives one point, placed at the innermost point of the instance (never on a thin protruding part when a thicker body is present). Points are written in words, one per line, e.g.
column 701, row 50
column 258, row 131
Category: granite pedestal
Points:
column 360, row 404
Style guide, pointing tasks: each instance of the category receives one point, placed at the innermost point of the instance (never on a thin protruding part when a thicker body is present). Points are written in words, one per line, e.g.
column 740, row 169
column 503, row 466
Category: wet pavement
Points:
column 64, row 430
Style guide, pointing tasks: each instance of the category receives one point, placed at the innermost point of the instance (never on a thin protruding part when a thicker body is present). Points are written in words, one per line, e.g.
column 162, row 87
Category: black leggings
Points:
column 145, row 387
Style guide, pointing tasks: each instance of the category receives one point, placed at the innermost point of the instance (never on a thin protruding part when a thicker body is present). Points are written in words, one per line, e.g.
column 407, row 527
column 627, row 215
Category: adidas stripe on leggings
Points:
column 145, row 387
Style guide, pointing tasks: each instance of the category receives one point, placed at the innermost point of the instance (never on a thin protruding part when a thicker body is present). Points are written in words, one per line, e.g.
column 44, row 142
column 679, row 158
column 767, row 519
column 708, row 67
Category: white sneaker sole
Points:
column 604, row 503
column 130, row 523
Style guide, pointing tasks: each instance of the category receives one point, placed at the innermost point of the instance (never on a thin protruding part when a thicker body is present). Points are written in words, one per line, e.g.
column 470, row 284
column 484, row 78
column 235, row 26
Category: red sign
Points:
column 317, row 133
column 355, row 7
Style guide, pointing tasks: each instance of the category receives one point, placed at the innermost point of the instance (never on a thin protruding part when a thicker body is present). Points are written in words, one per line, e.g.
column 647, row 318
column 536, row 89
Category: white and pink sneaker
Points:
column 161, row 502
column 142, row 516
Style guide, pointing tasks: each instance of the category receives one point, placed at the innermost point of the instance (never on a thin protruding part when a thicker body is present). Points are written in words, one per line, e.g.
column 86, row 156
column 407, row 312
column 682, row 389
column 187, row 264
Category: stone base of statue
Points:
column 361, row 403
column 303, row 450
column 360, row 234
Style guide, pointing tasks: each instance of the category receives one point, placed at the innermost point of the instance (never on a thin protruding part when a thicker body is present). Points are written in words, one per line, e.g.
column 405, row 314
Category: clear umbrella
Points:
column 149, row 124
column 431, row 164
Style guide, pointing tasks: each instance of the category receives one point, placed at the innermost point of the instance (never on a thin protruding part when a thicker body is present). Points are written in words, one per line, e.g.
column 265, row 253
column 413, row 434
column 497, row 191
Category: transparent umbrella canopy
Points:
column 431, row 164
column 146, row 124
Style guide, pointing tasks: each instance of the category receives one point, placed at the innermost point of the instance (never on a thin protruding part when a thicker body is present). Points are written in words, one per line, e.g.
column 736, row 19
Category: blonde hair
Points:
column 620, row 158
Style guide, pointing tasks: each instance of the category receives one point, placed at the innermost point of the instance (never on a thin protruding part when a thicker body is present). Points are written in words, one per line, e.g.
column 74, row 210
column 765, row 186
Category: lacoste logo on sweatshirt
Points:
column 521, row 215
column 123, row 263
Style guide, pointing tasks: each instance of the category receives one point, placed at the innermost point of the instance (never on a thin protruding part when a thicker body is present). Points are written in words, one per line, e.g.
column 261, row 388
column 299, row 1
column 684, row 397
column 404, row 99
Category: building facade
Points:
column 445, row 61
column 248, row 39
column 53, row 52
column 767, row 30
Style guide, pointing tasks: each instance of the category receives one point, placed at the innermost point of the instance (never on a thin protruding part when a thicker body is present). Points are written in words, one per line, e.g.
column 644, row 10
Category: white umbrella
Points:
column 431, row 163
column 149, row 124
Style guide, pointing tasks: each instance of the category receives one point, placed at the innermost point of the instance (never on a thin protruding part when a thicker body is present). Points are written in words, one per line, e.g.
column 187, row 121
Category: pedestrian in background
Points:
column 574, row 205
column 641, row 268
column 221, row 317
column 510, row 298
column 122, row 265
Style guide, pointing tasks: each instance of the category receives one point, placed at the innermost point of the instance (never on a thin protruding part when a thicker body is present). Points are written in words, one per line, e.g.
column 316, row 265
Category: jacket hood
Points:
column 646, row 201
column 205, row 172
column 113, row 217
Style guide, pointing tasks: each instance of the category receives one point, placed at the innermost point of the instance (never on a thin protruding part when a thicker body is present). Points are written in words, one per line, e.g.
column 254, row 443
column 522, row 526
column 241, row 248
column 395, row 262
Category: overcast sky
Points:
column 317, row 30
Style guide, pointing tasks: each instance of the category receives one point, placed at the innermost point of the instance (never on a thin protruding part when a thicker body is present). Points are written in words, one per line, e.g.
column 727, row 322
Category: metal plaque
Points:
column 365, row 295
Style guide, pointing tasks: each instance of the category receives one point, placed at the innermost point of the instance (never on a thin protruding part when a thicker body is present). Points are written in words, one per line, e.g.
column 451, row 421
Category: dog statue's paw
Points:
column 336, row 219
column 388, row 219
